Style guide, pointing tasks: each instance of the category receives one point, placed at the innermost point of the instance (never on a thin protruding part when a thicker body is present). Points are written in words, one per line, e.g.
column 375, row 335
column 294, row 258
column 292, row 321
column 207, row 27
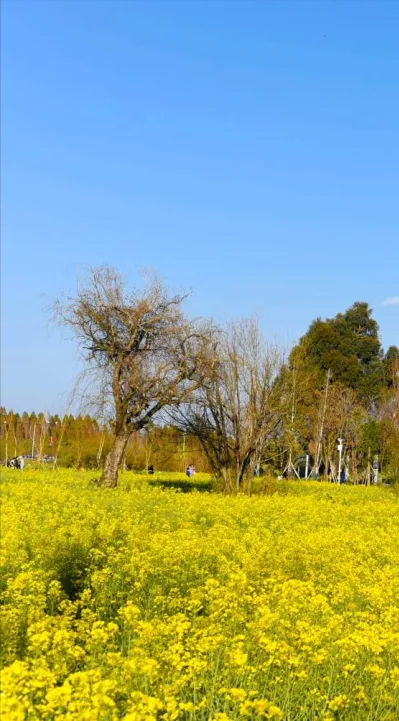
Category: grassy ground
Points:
column 144, row 603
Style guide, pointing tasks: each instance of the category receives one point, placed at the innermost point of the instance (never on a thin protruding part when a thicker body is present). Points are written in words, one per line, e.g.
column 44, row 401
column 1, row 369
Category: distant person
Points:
column 188, row 471
column 342, row 477
column 21, row 463
column 150, row 470
column 192, row 470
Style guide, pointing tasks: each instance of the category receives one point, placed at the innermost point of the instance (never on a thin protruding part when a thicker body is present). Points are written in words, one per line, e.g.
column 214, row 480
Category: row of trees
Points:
column 343, row 385
column 83, row 442
column 227, row 391
column 287, row 414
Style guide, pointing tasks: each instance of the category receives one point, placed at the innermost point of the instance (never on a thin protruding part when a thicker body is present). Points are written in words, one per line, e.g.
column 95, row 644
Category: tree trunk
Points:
column 109, row 478
column 226, row 476
column 242, row 470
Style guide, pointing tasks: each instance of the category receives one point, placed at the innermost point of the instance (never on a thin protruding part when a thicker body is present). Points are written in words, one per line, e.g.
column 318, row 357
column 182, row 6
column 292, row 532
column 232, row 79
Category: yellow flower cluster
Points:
column 153, row 605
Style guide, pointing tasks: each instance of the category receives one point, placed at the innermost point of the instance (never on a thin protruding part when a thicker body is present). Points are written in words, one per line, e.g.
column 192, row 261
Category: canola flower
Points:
column 147, row 604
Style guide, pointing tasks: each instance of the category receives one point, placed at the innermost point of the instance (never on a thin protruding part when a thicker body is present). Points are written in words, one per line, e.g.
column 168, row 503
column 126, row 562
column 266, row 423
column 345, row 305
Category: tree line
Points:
column 155, row 376
column 83, row 441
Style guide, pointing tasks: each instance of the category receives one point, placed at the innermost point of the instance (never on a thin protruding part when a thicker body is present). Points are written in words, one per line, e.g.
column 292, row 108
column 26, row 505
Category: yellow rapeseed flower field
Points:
column 148, row 604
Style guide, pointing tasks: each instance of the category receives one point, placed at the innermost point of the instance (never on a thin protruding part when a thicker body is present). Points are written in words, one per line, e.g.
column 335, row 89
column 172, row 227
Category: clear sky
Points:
column 247, row 150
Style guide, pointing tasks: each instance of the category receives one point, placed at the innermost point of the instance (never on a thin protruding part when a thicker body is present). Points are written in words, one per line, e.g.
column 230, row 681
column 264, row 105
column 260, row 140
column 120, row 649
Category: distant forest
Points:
column 83, row 442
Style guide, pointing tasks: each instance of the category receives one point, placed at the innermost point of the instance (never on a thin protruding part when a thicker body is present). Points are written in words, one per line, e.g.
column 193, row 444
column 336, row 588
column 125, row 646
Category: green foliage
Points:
column 391, row 366
column 370, row 440
column 186, row 486
column 350, row 347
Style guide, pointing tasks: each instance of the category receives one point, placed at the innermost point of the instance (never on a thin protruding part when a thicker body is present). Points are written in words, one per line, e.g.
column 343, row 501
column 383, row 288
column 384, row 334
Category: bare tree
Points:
column 340, row 420
column 145, row 354
column 235, row 414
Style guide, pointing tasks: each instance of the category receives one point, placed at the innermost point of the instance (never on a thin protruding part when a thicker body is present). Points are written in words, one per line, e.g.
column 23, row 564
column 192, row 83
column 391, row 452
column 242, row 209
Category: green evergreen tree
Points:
column 349, row 346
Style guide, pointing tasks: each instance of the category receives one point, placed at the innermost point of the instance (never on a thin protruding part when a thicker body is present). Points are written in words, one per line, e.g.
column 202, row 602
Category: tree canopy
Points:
column 349, row 346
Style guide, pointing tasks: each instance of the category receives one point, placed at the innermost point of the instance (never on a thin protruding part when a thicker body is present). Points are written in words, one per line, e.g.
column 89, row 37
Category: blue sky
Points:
column 246, row 150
